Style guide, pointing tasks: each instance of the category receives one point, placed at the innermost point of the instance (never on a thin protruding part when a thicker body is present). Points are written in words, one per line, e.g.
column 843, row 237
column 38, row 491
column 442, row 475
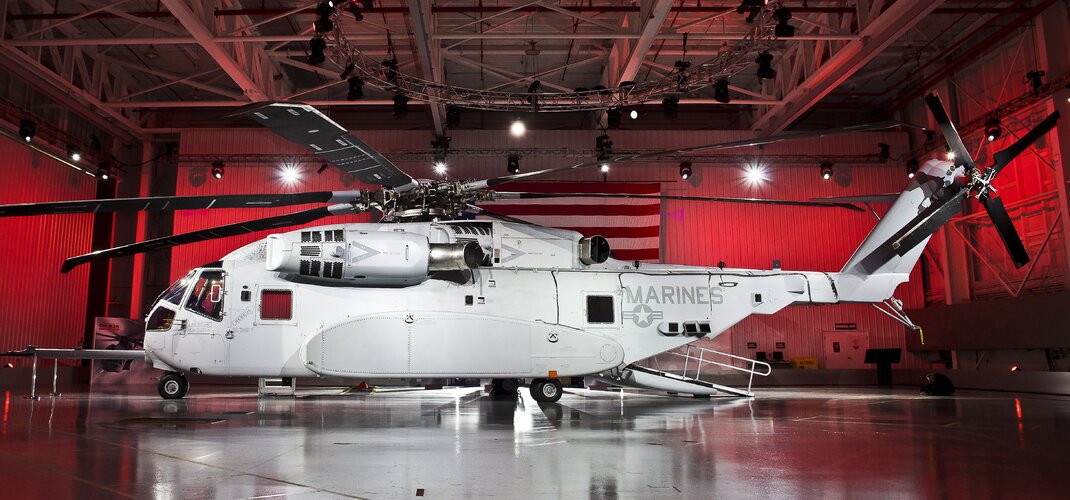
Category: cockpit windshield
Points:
column 174, row 293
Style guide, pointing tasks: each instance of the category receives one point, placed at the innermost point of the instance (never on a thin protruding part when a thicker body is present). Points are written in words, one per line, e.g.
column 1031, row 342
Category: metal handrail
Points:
column 703, row 358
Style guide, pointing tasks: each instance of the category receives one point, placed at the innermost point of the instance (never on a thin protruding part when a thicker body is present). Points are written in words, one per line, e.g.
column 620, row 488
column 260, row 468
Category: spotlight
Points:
column 613, row 117
column 603, row 145
column 1036, row 80
column 390, row 70
column 534, row 87
column 217, row 169
column 685, row 170
column 27, row 129
column 453, row 116
column 348, row 71
column 826, row 170
column 993, row 129
column 513, row 164
column 912, row 168
column 356, row 89
column 357, row 14
column 289, row 174
column 671, row 107
column 885, row 152
column 720, row 92
column 324, row 24
column 1015, row 368
column 440, row 164
column 517, row 128
column 783, row 29
column 73, row 152
column 441, row 143
column 401, row 105
column 103, row 171
column 765, row 66
column 323, row 168
column 748, row 4
column 316, row 47
column 604, row 168
column 754, row 175
column 948, row 153
column 633, row 114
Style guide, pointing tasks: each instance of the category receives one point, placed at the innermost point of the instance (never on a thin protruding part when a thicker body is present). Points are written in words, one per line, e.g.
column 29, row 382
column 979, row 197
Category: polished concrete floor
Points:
column 458, row 443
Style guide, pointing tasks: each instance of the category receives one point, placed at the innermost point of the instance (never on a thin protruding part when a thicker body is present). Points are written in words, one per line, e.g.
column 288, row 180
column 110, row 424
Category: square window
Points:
column 276, row 304
column 600, row 309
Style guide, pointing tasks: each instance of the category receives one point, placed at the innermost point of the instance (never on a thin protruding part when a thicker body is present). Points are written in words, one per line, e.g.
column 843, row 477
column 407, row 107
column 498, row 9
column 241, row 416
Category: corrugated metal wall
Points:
column 693, row 232
column 38, row 305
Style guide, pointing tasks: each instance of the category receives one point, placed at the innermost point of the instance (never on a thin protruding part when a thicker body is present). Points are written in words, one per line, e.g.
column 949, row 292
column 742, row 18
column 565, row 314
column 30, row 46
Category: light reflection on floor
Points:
column 459, row 443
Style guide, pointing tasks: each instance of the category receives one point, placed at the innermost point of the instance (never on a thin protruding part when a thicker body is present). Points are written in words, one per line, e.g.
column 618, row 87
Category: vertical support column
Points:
column 137, row 284
column 97, row 291
column 33, row 381
column 1052, row 38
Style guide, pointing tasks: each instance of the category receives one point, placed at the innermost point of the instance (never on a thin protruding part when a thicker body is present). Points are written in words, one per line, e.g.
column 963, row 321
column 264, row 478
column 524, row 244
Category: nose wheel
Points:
column 172, row 386
column 546, row 390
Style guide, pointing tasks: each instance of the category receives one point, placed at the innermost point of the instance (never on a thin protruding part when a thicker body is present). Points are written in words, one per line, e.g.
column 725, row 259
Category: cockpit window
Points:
column 160, row 319
column 207, row 295
column 174, row 293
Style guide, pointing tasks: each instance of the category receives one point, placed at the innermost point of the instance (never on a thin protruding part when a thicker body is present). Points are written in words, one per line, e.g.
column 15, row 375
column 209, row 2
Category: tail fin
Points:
column 876, row 269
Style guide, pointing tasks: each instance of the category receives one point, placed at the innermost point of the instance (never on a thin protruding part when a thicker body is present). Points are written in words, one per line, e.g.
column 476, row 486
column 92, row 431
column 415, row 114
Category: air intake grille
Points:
column 310, row 251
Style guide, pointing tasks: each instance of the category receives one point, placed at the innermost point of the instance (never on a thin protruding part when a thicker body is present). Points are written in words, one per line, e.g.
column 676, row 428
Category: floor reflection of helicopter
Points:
column 420, row 295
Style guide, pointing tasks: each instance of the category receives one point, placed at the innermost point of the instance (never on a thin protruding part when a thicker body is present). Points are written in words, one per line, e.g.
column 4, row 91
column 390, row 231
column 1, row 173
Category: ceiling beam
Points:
column 430, row 57
column 889, row 25
column 221, row 56
column 646, row 39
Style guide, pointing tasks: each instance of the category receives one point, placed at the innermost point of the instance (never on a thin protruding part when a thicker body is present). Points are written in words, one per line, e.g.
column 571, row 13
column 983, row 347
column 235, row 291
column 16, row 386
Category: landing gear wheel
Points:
column 504, row 387
column 546, row 391
column 172, row 386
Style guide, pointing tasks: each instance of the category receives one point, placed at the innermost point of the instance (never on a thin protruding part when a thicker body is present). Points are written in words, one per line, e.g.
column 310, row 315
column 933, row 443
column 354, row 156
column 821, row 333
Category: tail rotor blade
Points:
column 1002, row 221
column 962, row 155
column 277, row 222
column 927, row 222
column 1007, row 155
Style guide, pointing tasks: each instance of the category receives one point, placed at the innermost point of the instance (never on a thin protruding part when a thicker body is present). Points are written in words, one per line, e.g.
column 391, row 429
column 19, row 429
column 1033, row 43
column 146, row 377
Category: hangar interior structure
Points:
column 134, row 98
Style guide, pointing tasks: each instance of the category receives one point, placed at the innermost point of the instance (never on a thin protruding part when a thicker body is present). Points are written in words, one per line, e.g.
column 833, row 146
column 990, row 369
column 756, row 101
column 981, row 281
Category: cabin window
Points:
column 276, row 304
column 207, row 296
column 160, row 319
column 600, row 309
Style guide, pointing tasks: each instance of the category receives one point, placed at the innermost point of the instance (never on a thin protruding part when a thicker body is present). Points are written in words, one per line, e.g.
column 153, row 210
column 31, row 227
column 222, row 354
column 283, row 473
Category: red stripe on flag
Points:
column 560, row 210
column 583, row 187
column 637, row 254
column 619, row 232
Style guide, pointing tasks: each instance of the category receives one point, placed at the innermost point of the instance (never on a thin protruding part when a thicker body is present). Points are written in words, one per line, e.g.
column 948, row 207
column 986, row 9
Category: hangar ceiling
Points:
column 154, row 66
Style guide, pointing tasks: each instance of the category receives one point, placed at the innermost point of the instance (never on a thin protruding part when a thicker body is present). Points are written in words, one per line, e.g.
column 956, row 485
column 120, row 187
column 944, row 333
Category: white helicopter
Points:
column 422, row 296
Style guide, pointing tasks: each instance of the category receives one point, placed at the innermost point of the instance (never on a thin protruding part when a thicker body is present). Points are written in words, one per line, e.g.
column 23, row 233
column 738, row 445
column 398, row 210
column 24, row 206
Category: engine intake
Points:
column 594, row 250
column 455, row 256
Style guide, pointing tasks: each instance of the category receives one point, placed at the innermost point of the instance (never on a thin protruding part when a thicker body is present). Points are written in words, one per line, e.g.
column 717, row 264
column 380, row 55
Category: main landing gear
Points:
column 502, row 388
column 172, row 386
column 546, row 390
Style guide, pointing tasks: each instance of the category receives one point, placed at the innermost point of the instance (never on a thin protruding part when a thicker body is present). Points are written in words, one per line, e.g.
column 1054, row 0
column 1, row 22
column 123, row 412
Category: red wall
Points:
column 38, row 305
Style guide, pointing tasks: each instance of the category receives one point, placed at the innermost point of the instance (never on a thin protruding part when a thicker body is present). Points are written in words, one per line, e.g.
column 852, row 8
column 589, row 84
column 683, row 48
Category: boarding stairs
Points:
column 688, row 380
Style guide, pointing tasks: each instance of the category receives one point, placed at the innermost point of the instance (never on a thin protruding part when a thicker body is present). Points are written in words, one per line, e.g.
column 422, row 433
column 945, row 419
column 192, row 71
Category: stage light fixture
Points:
column 401, row 105
column 603, row 145
column 755, row 175
column 356, row 89
column 783, row 29
column 720, row 92
column 217, row 169
column 290, row 174
column 94, row 143
column 513, row 164
column 355, row 10
column 27, row 129
column 73, row 152
column 323, row 168
column 324, row 24
column 948, row 153
column 885, row 152
column 453, row 116
column 912, row 168
column 1036, row 80
column 103, row 171
column 348, row 71
column 368, row 4
column 517, row 128
column 685, row 170
column 633, row 114
column 439, row 164
column 826, row 170
column 390, row 70
column 604, row 168
column 613, row 117
column 765, row 66
column 671, row 107
column 993, row 129
column 316, row 47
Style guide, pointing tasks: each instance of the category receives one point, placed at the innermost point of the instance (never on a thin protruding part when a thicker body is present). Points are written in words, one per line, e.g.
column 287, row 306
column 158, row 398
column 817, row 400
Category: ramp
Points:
column 647, row 378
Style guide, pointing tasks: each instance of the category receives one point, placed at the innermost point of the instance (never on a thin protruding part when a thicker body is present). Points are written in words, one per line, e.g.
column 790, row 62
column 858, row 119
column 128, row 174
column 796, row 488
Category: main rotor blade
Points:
column 158, row 203
column 276, row 222
column 1002, row 221
column 521, row 195
column 759, row 141
column 305, row 125
column 927, row 222
column 1005, row 156
column 962, row 155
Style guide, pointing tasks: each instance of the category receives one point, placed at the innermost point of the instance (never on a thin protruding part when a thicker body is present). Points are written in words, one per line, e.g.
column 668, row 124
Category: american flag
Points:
column 633, row 227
